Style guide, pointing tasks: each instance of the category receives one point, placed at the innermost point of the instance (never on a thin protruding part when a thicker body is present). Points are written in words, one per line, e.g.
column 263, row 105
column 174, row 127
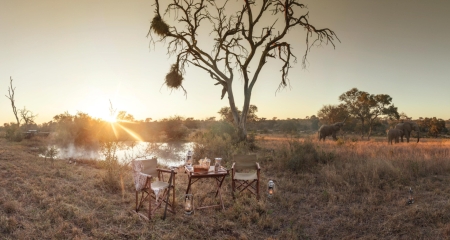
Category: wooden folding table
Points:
column 219, row 176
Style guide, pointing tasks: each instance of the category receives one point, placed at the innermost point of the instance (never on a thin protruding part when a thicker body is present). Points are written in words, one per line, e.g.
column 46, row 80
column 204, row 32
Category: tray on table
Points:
column 202, row 170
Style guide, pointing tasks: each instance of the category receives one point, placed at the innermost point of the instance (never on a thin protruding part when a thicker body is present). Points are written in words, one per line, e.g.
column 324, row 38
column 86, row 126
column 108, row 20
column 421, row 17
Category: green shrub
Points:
column 220, row 140
column 174, row 128
column 49, row 152
column 13, row 132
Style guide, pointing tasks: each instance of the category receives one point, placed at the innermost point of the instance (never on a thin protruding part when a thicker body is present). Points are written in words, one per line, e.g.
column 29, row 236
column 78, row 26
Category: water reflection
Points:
column 168, row 154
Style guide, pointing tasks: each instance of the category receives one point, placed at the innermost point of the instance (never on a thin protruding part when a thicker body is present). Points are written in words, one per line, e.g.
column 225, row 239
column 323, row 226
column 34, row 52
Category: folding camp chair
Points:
column 245, row 173
column 149, row 182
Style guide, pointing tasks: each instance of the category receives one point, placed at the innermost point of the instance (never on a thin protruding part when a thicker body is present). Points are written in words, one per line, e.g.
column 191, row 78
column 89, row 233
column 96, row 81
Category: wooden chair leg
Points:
column 137, row 199
column 173, row 198
column 149, row 205
column 257, row 189
column 233, row 188
column 243, row 185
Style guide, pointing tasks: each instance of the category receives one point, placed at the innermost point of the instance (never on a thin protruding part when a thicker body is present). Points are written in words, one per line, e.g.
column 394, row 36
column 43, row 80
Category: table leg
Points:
column 189, row 185
column 219, row 186
column 219, row 181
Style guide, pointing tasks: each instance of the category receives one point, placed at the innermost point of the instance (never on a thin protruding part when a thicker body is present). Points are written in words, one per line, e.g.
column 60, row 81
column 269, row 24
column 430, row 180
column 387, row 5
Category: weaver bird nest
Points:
column 159, row 26
column 174, row 78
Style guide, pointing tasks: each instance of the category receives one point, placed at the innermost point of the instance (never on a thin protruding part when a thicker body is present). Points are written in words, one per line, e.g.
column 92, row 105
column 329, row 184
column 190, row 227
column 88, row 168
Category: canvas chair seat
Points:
column 246, row 176
column 245, row 173
column 157, row 186
column 150, row 184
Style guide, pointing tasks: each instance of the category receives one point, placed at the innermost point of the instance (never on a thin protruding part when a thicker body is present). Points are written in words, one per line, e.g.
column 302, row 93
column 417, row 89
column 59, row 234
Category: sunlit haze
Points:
column 80, row 55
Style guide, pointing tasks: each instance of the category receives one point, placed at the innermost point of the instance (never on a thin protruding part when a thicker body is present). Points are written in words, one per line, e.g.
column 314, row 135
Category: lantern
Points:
column 271, row 188
column 217, row 164
column 189, row 158
column 188, row 204
column 410, row 198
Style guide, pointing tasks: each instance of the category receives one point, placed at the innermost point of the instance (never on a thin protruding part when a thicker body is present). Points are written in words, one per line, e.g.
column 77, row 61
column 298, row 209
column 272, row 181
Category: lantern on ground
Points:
column 410, row 198
column 188, row 204
column 271, row 188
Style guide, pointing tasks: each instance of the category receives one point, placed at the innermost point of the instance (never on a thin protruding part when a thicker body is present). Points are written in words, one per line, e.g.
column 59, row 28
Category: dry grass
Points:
column 360, row 192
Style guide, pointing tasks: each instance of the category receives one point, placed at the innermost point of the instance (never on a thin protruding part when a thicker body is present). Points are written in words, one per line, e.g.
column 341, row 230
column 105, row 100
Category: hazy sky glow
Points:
column 77, row 55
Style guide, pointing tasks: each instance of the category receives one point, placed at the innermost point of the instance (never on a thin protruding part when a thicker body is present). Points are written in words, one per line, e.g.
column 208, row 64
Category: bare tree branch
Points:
column 10, row 96
column 27, row 116
column 242, row 41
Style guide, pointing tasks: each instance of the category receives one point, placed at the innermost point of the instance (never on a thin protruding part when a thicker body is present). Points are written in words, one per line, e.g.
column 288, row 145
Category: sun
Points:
column 99, row 109
column 110, row 119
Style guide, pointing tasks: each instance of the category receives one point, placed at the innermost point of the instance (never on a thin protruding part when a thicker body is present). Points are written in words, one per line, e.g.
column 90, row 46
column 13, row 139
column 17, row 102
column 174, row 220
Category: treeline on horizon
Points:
column 83, row 130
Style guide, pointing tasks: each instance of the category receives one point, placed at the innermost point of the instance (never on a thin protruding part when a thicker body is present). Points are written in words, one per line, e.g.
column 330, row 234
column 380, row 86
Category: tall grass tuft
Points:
column 303, row 156
column 114, row 169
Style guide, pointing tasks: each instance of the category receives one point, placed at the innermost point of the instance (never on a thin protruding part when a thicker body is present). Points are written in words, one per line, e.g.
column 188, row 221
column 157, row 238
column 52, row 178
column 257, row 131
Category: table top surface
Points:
column 210, row 173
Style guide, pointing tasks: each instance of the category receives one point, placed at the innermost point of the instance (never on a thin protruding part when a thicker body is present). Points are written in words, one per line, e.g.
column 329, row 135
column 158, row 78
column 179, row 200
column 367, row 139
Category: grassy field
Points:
column 325, row 190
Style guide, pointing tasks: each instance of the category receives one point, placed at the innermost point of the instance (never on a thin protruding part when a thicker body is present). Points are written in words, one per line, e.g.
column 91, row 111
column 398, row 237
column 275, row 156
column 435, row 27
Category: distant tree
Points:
column 330, row 114
column 148, row 119
column 124, row 116
column 367, row 107
column 84, row 133
column 380, row 105
column 314, row 122
column 81, row 130
column 64, row 117
column 403, row 117
column 27, row 116
column 243, row 42
column 191, row 123
column 10, row 96
column 288, row 126
column 227, row 115
column 433, row 126
column 174, row 128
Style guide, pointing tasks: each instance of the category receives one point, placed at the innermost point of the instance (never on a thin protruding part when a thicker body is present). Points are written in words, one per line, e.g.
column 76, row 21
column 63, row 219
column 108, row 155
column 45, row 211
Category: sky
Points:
column 78, row 56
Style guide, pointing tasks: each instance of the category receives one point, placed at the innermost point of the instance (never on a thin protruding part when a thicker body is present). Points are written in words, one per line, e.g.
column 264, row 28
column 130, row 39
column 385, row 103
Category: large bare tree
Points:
column 242, row 40
column 10, row 96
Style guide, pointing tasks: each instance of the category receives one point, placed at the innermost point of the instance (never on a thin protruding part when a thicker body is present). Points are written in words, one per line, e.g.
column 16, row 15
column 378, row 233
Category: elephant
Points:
column 407, row 128
column 394, row 134
column 327, row 130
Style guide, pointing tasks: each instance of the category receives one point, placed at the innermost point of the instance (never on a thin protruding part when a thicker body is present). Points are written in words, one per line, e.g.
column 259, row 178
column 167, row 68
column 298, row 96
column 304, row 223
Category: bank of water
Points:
column 168, row 154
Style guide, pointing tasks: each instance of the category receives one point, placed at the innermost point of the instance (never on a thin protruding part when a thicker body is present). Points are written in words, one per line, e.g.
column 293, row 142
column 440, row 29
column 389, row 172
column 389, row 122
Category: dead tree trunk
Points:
column 11, row 98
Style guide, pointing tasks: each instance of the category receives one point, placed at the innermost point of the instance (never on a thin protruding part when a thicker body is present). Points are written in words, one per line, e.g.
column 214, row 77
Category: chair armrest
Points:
column 166, row 170
column 233, row 170
column 161, row 172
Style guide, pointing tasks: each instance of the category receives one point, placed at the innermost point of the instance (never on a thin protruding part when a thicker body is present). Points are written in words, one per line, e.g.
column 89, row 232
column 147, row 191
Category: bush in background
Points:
column 174, row 128
column 220, row 140
column 13, row 132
